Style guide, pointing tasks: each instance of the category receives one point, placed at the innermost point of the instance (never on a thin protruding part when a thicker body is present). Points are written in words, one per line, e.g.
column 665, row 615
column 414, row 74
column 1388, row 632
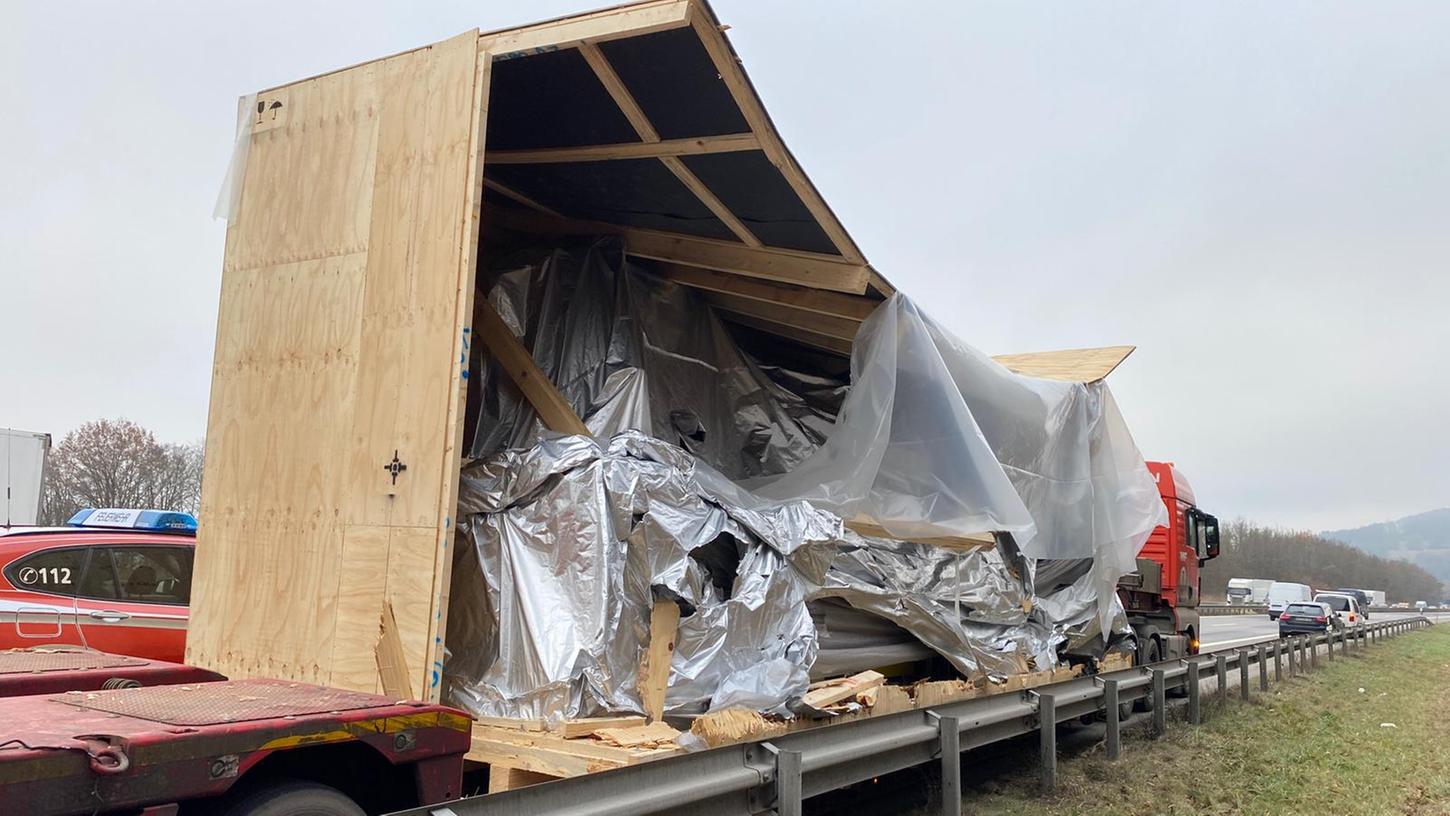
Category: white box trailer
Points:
column 24, row 456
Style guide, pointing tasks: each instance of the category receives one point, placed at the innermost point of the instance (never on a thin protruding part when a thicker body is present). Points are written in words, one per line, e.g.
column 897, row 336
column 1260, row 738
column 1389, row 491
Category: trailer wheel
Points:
column 1153, row 652
column 292, row 799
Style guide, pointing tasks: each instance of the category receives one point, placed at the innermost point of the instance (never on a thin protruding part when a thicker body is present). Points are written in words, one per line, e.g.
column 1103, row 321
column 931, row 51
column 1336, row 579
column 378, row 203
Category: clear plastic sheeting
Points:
column 719, row 482
column 935, row 438
column 567, row 545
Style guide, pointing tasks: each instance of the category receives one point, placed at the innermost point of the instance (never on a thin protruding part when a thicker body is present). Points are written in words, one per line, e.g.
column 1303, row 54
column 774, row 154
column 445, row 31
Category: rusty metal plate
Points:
column 34, row 661
column 220, row 703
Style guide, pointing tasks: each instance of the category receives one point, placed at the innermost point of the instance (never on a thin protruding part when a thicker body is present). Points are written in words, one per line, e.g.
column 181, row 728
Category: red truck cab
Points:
column 1161, row 597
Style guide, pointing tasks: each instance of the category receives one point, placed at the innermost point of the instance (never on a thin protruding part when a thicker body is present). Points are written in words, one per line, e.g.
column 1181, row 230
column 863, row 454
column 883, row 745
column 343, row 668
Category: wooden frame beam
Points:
column 728, row 65
column 832, row 345
column 555, row 411
column 804, row 298
column 841, row 328
column 598, row 26
column 519, row 197
column 637, row 118
column 697, row 146
column 784, row 265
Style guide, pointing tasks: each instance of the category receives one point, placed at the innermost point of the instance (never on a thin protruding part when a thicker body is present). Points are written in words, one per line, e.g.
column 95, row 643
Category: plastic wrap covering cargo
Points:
column 630, row 351
column 573, row 542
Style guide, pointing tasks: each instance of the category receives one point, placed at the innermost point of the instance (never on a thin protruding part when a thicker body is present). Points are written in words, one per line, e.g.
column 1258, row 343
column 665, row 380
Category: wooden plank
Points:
column 654, row 735
column 551, row 406
column 641, row 124
column 392, row 665
column 502, row 779
column 503, row 190
column 585, row 726
column 854, row 307
column 598, row 26
column 841, row 328
column 553, row 755
column 807, row 269
column 1072, row 365
column 336, row 343
column 712, row 36
column 834, row 691
column 620, row 94
column 868, row 527
column 654, row 668
column 730, row 143
column 832, row 345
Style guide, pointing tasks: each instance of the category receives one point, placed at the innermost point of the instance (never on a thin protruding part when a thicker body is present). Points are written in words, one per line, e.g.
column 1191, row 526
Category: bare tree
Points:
column 118, row 463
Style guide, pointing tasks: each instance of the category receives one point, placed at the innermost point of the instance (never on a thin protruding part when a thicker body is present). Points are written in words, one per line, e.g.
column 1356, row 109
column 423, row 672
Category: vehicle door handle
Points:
column 109, row 616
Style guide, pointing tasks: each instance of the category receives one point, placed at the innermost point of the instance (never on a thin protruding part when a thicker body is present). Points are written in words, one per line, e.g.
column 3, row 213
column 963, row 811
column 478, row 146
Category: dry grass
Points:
column 1312, row 745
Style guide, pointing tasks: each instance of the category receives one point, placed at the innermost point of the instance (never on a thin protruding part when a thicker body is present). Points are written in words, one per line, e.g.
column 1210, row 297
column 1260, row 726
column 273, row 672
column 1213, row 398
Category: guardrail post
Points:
column 1263, row 669
column 949, row 734
column 1303, row 642
column 1160, row 703
column 1244, row 675
column 1313, row 652
column 1113, row 738
column 1278, row 666
column 1343, row 643
column 1195, row 711
column 787, row 782
column 1047, row 727
column 1222, row 666
column 1289, row 649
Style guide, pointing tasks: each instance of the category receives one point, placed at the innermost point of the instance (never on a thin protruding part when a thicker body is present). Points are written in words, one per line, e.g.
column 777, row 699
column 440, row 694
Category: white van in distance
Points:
column 1283, row 593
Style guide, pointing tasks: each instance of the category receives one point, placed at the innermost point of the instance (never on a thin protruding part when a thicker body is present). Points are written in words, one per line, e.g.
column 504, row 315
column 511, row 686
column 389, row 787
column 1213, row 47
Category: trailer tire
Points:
column 1153, row 652
column 287, row 798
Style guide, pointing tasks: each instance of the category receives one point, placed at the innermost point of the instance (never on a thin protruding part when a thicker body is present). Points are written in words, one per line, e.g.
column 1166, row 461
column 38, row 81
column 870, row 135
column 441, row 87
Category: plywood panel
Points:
column 340, row 332
column 1072, row 365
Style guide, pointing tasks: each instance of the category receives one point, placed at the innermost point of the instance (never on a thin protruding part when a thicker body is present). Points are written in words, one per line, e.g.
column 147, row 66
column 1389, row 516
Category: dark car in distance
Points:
column 1307, row 618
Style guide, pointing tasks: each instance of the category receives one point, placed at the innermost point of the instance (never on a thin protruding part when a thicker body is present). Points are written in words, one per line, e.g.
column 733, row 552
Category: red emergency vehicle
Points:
column 118, row 581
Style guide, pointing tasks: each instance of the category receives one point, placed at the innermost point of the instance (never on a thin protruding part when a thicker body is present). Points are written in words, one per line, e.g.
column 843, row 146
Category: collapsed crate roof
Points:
column 347, row 300
column 655, row 133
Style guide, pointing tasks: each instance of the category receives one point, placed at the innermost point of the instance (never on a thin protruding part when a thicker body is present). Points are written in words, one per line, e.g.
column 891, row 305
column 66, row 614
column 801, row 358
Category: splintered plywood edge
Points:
column 392, row 664
column 654, row 735
column 834, row 691
column 586, row 726
column 654, row 669
column 1072, row 365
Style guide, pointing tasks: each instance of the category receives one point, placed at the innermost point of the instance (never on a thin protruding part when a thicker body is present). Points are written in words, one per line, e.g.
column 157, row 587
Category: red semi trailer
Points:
column 85, row 732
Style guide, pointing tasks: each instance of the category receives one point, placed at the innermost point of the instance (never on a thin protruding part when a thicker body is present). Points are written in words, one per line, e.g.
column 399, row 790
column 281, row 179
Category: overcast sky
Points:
column 1255, row 194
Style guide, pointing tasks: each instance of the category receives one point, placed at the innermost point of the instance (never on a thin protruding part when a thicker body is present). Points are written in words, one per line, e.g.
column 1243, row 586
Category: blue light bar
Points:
column 161, row 521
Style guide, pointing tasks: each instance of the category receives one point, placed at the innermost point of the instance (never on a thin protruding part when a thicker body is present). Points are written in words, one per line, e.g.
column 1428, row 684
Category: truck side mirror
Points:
column 1210, row 528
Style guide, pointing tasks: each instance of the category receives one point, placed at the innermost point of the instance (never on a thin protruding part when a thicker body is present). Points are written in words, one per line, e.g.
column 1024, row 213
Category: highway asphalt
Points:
column 1223, row 631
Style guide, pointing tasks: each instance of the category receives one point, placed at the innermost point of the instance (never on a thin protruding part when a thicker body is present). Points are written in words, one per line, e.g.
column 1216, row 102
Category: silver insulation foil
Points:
column 568, row 544
column 719, row 482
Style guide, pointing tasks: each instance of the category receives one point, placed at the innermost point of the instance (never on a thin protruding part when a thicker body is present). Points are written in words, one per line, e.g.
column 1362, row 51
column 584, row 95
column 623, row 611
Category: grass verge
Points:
column 1366, row 735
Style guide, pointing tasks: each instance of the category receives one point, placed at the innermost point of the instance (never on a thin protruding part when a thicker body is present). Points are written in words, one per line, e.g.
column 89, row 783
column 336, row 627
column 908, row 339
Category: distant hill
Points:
column 1422, row 539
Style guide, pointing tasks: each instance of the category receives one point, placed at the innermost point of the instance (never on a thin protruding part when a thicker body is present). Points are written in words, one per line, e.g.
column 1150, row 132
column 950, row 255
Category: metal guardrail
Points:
column 774, row 776
column 1232, row 609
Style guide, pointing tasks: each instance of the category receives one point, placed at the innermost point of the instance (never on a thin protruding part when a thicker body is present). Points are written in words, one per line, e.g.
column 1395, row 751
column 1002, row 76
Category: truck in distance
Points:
column 1283, row 593
column 1248, row 590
